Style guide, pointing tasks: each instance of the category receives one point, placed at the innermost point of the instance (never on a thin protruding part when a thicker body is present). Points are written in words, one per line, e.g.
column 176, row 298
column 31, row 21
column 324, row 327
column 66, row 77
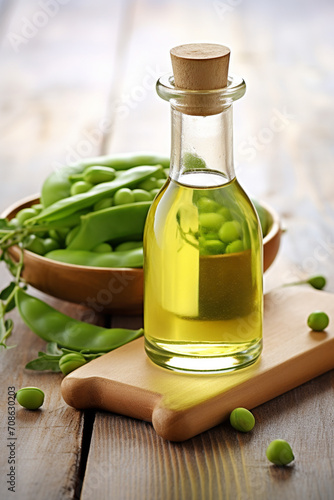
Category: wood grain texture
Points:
column 133, row 462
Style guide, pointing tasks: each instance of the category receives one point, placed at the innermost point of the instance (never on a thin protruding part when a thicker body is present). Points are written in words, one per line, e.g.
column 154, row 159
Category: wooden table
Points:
column 78, row 79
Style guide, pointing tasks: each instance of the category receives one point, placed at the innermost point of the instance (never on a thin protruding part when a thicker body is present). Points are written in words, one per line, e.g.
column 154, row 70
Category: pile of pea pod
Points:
column 93, row 213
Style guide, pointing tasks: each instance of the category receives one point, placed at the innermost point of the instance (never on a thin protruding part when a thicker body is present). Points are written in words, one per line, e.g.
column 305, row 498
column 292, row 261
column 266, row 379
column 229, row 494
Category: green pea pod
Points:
column 126, row 259
column 69, row 221
column 67, row 206
column 122, row 222
column 97, row 174
column 54, row 326
column 58, row 185
column 125, row 161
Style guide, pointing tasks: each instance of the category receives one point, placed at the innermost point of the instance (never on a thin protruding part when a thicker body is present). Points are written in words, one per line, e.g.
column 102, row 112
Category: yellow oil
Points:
column 203, row 292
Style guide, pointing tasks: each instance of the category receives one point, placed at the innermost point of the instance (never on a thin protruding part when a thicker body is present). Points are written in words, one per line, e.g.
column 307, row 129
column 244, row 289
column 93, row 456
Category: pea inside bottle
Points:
column 202, row 244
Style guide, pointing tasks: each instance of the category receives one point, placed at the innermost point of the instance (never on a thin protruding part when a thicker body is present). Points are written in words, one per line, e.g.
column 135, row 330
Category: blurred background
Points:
column 78, row 79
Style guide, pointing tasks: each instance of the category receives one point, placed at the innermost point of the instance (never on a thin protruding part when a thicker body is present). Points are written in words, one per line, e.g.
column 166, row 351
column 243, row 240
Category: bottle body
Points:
column 203, row 284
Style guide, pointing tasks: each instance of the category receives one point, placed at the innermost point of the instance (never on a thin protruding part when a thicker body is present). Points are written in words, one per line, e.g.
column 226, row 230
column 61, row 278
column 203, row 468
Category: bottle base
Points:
column 203, row 358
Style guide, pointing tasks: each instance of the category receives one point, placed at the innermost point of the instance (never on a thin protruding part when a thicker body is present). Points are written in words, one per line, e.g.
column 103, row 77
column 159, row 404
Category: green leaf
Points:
column 9, row 326
column 5, row 293
column 11, row 305
column 44, row 362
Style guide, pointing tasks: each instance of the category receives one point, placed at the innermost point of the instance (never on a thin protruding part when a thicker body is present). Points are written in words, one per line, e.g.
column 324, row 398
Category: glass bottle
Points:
column 202, row 241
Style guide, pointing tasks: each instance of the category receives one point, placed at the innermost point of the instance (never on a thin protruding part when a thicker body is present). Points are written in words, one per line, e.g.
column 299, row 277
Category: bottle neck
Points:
column 202, row 145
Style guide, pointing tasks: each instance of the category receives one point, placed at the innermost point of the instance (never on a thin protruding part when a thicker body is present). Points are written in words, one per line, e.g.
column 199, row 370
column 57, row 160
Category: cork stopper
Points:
column 200, row 66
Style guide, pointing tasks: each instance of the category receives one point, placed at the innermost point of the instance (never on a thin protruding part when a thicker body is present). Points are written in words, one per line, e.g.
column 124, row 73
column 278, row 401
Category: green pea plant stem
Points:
column 10, row 237
column 317, row 282
column 7, row 299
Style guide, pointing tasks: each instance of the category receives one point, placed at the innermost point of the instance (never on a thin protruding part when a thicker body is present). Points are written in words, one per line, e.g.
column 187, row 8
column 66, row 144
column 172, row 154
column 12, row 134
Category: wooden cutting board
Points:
column 180, row 405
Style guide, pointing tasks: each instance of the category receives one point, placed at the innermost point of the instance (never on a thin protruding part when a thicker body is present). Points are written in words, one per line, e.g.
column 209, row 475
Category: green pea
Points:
column 318, row 321
column 35, row 244
column 98, row 174
column 102, row 248
column 211, row 221
column 318, row 282
column 141, row 195
column 13, row 223
column 25, row 214
column 235, row 247
column 211, row 236
column 148, row 184
column 30, row 398
column 70, row 362
column 103, row 204
column 128, row 245
column 59, row 234
column 41, row 234
column 279, row 452
column 230, row 231
column 154, row 192
column 206, row 204
column 242, row 420
column 54, row 235
column 71, row 235
column 124, row 196
column 225, row 212
column 50, row 244
column 38, row 207
column 80, row 187
column 212, row 247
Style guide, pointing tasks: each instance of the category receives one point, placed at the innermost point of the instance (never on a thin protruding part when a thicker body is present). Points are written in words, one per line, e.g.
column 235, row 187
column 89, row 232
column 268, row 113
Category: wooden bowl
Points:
column 111, row 290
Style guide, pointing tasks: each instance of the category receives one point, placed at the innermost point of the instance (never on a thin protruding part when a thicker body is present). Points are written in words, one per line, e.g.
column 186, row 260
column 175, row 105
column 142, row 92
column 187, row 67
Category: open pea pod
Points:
column 67, row 206
column 58, row 185
column 123, row 222
column 54, row 326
